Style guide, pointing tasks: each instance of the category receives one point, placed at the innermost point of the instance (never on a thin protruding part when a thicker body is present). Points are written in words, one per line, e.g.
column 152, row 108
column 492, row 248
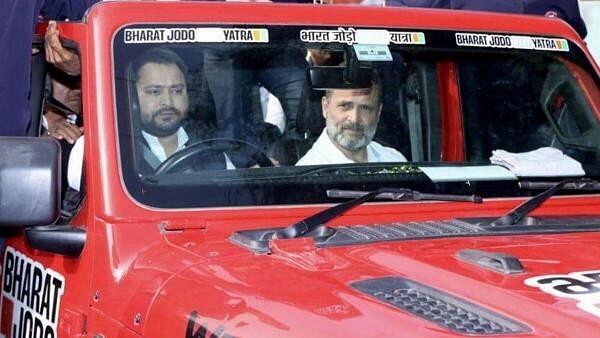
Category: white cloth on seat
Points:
column 324, row 151
column 546, row 161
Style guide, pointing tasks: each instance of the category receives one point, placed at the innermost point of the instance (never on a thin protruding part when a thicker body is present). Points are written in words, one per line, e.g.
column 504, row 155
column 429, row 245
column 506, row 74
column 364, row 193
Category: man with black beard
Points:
column 351, row 117
column 162, row 107
column 163, row 104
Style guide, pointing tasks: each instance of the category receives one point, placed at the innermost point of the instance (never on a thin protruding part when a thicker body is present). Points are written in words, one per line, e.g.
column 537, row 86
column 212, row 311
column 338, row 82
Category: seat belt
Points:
column 416, row 130
column 150, row 158
column 415, row 124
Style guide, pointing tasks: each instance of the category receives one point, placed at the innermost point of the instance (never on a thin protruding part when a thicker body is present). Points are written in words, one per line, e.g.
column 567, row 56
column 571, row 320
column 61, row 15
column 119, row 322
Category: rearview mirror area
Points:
column 30, row 181
column 340, row 77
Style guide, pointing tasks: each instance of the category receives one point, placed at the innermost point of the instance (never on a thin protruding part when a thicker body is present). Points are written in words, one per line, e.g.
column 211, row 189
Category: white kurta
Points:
column 324, row 151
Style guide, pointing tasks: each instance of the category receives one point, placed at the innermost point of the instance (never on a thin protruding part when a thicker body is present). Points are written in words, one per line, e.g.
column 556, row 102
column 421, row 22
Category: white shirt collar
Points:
column 156, row 147
column 324, row 151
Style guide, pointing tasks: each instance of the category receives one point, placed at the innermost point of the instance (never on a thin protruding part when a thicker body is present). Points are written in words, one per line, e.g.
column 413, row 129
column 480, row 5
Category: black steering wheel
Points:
column 211, row 154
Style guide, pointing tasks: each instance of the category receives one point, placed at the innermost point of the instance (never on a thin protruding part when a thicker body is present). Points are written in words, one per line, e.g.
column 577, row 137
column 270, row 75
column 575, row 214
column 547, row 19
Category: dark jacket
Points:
column 567, row 10
column 506, row 6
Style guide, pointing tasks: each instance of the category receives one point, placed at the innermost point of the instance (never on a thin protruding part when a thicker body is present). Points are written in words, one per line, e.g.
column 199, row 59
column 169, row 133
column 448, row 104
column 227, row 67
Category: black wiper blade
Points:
column 523, row 209
column 579, row 184
column 404, row 195
column 396, row 194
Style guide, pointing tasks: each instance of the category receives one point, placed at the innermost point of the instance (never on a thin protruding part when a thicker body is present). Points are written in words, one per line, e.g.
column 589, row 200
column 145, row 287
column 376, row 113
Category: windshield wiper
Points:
column 577, row 184
column 523, row 209
column 395, row 194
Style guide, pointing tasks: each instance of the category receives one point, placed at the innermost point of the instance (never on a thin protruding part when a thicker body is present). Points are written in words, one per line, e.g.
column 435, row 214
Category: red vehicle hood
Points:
column 301, row 291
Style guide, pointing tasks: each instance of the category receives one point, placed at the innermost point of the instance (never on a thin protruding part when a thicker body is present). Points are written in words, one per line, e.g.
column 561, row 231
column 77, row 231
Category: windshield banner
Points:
column 511, row 41
column 189, row 35
column 351, row 36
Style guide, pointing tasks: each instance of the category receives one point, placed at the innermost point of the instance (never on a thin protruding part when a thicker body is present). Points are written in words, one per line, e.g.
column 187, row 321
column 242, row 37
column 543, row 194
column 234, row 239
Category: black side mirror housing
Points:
column 340, row 77
column 30, row 181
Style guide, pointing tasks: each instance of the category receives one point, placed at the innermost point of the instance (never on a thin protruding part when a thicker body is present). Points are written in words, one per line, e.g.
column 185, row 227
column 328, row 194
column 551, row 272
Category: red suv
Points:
column 287, row 170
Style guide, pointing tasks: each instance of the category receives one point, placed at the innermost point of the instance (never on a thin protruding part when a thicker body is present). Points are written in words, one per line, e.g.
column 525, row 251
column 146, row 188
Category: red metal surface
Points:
column 166, row 273
column 308, row 294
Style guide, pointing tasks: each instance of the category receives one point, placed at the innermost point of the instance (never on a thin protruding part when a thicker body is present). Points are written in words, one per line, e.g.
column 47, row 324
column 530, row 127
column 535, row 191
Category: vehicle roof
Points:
column 124, row 12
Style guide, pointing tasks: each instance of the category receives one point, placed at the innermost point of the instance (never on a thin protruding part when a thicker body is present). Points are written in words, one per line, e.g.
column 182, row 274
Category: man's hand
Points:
column 60, row 128
column 59, row 56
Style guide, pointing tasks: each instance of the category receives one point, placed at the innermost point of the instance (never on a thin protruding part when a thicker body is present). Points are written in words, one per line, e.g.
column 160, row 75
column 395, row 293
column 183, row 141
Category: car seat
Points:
column 309, row 121
column 416, row 112
column 500, row 105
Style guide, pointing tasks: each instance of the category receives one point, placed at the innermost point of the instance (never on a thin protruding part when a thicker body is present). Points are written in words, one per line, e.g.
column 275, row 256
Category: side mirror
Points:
column 340, row 77
column 30, row 181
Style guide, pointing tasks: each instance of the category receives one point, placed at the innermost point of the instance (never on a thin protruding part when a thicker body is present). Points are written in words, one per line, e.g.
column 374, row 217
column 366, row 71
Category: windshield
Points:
column 266, row 115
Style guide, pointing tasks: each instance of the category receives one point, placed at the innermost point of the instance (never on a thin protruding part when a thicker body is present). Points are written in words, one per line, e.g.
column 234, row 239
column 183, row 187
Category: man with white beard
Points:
column 351, row 117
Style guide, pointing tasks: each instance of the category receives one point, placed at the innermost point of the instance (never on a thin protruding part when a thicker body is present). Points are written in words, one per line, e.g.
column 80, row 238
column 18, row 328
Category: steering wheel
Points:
column 201, row 155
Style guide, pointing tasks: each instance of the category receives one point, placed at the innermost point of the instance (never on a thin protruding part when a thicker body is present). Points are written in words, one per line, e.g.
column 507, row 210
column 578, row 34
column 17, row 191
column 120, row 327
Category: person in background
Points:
column 62, row 114
column 63, row 119
column 567, row 10
column 231, row 74
column 17, row 22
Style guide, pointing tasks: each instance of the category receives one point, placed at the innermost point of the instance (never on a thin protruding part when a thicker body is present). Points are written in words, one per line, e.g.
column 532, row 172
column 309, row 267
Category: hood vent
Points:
column 395, row 231
column 258, row 240
column 439, row 307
